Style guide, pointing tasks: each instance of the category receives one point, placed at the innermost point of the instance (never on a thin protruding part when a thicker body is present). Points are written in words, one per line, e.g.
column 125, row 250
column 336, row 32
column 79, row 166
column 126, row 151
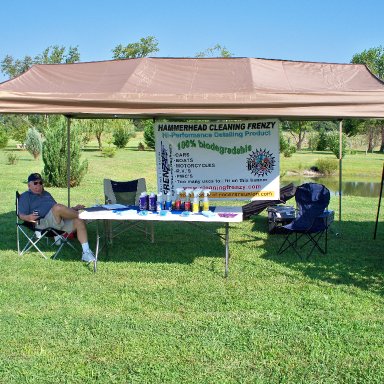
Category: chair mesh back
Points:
column 311, row 200
column 124, row 192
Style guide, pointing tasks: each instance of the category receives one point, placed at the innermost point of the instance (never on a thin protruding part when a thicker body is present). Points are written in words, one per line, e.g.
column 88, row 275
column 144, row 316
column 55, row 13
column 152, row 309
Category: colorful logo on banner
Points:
column 234, row 160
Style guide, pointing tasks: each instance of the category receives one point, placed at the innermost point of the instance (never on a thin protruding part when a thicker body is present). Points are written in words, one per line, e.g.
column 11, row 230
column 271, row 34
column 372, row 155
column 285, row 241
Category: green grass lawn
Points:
column 164, row 313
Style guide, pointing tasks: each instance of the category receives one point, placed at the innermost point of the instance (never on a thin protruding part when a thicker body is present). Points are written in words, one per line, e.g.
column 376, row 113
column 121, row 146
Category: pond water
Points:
column 349, row 188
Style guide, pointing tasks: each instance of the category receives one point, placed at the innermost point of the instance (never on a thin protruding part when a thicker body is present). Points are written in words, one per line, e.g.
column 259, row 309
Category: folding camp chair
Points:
column 126, row 193
column 312, row 220
column 35, row 238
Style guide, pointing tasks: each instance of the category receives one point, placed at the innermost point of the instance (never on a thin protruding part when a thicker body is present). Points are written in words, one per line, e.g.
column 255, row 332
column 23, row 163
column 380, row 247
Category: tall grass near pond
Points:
column 164, row 313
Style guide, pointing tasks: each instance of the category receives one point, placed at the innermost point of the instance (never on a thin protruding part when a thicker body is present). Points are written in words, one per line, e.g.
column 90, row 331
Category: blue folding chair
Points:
column 312, row 220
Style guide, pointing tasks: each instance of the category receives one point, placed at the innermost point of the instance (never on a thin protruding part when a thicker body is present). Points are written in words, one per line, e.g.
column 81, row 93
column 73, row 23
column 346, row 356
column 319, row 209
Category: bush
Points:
column 55, row 156
column 3, row 137
column 288, row 152
column 33, row 143
column 326, row 166
column 108, row 151
column 121, row 135
column 285, row 148
column 149, row 134
column 12, row 158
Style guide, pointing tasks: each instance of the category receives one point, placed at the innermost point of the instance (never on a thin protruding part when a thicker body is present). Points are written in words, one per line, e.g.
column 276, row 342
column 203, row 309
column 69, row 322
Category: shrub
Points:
column 33, row 143
column 108, row 151
column 149, row 134
column 288, row 152
column 55, row 156
column 285, row 148
column 121, row 135
column 12, row 158
column 326, row 166
column 3, row 137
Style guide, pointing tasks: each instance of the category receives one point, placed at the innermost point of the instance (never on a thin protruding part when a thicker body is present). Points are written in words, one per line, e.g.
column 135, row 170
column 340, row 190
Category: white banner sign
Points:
column 235, row 160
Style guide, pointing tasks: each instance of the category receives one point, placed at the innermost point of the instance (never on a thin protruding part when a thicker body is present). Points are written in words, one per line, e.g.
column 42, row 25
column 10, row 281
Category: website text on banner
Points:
column 234, row 160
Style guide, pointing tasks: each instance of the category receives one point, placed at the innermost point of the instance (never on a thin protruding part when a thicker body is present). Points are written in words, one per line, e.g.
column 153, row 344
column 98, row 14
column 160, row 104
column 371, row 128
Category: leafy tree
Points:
column 55, row 156
column 143, row 48
column 149, row 134
column 52, row 55
column 216, row 51
column 298, row 131
column 33, row 143
column 373, row 58
column 16, row 126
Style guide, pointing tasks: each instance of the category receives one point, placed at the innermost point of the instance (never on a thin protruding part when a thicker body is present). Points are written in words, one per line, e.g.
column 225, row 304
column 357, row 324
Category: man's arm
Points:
column 32, row 217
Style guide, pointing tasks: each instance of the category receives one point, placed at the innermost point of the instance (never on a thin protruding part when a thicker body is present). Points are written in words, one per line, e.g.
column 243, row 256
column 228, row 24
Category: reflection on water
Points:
column 350, row 188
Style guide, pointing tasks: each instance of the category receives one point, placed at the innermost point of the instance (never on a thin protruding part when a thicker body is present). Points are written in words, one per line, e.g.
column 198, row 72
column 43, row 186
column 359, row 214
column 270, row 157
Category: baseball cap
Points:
column 34, row 177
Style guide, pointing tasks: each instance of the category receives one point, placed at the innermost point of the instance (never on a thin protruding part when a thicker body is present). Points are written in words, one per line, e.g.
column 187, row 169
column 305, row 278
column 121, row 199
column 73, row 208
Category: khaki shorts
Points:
column 49, row 221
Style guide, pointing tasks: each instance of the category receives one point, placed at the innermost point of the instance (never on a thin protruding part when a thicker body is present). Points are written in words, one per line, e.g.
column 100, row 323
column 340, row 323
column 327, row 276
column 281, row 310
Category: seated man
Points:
column 38, row 206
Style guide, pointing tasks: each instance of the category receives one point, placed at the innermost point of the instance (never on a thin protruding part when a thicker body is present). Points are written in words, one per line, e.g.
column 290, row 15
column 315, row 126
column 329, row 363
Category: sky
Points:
column 312, row 30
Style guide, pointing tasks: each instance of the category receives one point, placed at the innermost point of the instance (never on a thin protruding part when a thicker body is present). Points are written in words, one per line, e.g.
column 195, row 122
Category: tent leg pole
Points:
column 340, row 164
column 69, row 160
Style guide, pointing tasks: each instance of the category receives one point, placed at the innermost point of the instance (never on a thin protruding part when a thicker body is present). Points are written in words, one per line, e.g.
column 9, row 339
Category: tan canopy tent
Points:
column 197, row 88
column 219, row 88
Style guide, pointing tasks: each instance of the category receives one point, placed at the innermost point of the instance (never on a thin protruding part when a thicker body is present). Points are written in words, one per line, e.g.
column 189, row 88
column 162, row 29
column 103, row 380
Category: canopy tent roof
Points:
column 197, row 88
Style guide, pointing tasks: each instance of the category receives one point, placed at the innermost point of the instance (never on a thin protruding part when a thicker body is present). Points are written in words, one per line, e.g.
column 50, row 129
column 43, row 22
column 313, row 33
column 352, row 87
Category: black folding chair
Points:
column 126, row 193
column 34, row 238
column 312, row 220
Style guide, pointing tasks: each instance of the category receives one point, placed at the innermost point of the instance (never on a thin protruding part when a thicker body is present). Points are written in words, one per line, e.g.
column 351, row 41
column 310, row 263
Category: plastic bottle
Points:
column 152, row 202
column 196, row 200
column 187, row 204
column 159, row 202
column 205, row 199
column 143, row 201
column 168, row 202
column 178, row 199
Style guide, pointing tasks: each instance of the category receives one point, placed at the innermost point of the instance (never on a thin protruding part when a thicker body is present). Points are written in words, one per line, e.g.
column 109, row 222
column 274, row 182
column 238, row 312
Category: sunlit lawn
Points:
column 164, row 313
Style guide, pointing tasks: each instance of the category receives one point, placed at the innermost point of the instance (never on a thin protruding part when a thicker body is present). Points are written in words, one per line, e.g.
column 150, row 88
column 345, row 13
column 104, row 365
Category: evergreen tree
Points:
column 55, row 156
column 149, row 134
column 123, row 130
column 33, row 143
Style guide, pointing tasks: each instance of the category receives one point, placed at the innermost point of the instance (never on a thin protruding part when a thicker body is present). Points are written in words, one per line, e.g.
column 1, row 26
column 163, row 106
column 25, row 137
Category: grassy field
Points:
column 163, row 313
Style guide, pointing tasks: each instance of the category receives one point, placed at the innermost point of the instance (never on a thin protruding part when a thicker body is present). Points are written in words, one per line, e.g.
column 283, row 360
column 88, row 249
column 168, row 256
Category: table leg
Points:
column 226, row 249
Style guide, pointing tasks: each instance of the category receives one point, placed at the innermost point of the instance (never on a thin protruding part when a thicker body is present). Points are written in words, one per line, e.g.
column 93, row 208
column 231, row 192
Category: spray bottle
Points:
column 152, row 202
column 168, row 202
column 196, row 200
column 205, row 200
column 187, row 204
column 178, row 199
column 159, row 202
column 143, row 201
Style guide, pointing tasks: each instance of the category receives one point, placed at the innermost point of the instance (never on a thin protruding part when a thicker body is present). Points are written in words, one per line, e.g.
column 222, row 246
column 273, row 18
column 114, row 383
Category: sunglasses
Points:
column 37, row 182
